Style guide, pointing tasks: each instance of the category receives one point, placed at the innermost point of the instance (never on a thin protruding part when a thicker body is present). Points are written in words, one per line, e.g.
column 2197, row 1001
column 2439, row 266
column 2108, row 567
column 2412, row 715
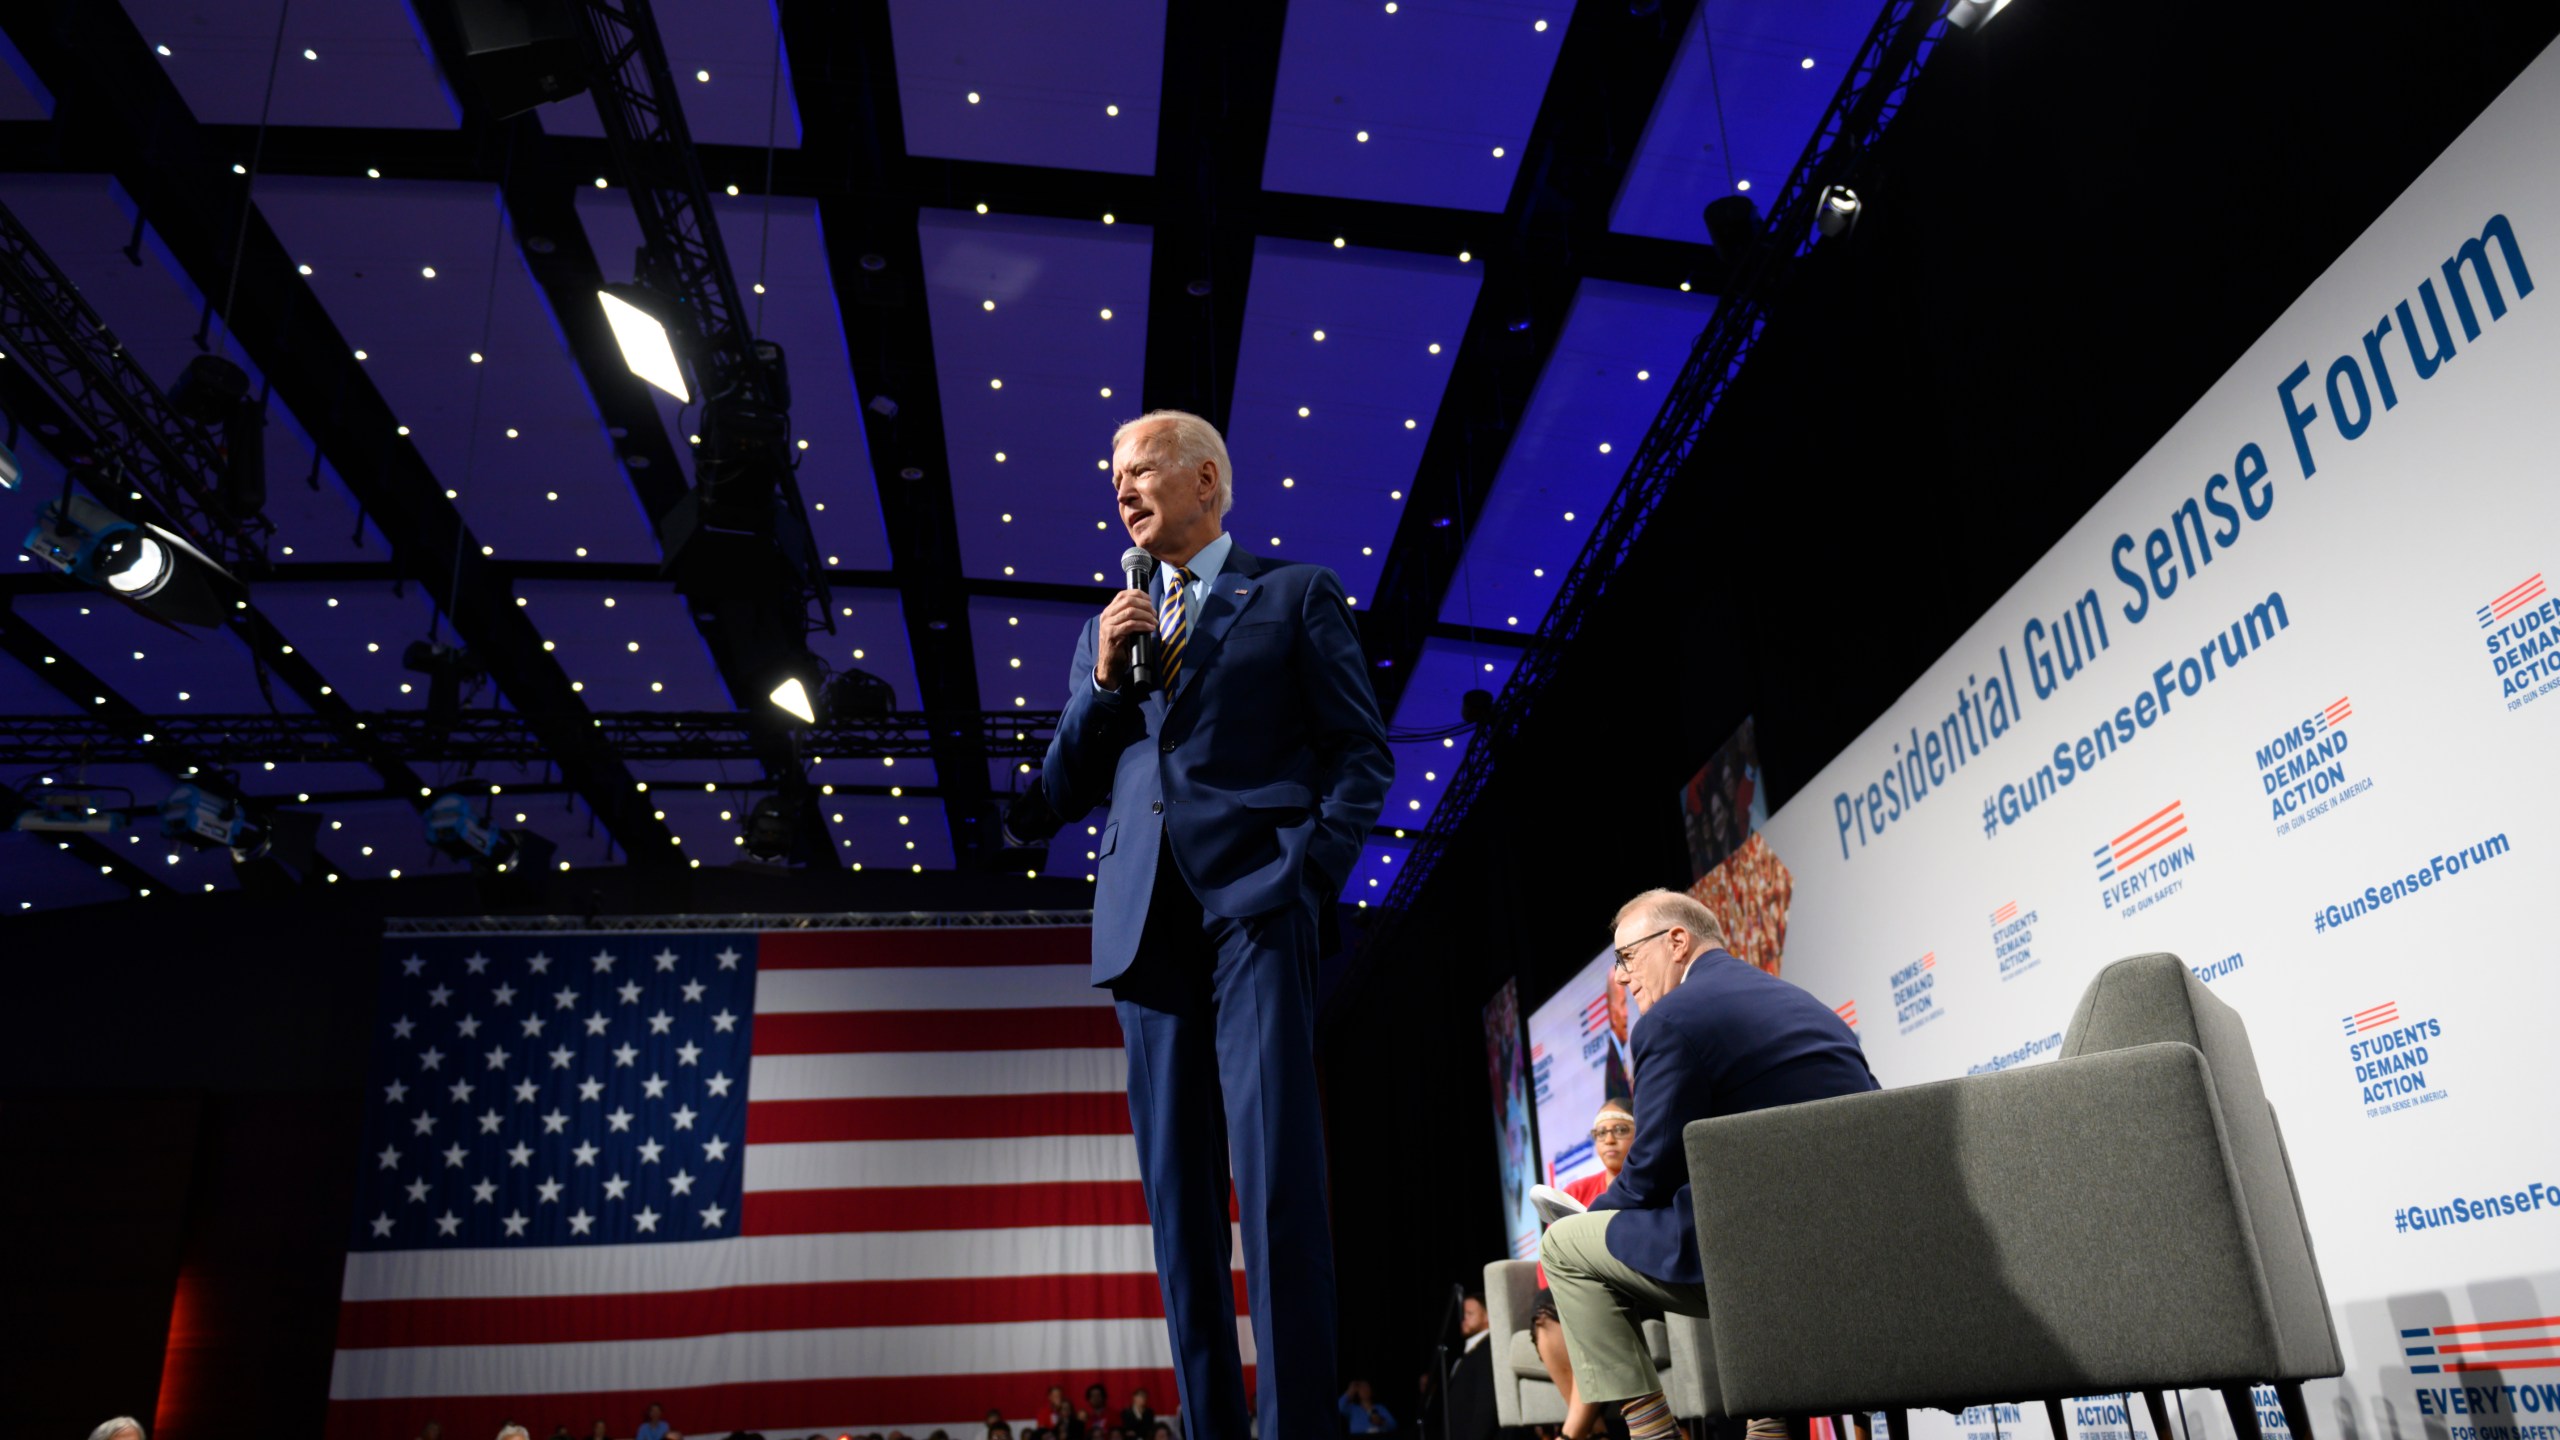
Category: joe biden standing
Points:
column 1239, row 791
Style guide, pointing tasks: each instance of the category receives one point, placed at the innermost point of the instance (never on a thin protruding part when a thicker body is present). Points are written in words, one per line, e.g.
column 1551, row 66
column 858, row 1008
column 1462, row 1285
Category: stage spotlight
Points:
column 1733, row 227
column 74, row 810
column 214, row 393
column 148, row 566
column 455, row 831
column 271, row 848
column 859, row 695
column 446, row 667
column 644, row 325
column 791, row 697
column 1836, row 213
column 1971, row 14
column 772, row 827
column 1475, row 707
column 9, row 469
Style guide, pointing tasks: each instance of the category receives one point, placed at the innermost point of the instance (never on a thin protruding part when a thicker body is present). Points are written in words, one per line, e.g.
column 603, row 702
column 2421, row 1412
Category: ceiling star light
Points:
column 1112, row 110
column 1109, row 219
column 1106, row 312
column 427, row 271
column 733, row 192
column 702, row 76
column 986, row 304
column 1339, row 242
column 1741, row 184
column 1302, row 412
column 1361, row 135
column 372, row 174
column 310, row 54
column 1497, row 152
column 982, row 207
column 1540, row 27
column 647, row 346
column 1435, row 347
column 302, row 269
column 973, row 97
column 1808, row 63
column 163, row 49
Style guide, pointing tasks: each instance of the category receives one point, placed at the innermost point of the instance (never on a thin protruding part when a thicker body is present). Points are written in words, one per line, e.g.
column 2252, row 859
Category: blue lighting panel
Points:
column 22, row 95
column 279, row 782
column 1426, row 103
column 1737, row 118
column 378, row 839
column 354, row 633
column 1328, row 486
column 725, row 62
column 164, row 672
column 881, row 833
column 1556, row 477
column 1073, row 86
column 346, row 63
column 84, row 222
column 28, row 694
column 405, row 268
column 1041, row 379
column 785, row 252
column 38, row 873
column 1442, row 675
column 1376, row 874
column 1025, row 649
column 629, row 647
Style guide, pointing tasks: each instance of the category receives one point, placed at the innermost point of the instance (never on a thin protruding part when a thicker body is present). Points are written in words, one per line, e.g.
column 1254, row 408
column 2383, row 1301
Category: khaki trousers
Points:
column 1603, row 1303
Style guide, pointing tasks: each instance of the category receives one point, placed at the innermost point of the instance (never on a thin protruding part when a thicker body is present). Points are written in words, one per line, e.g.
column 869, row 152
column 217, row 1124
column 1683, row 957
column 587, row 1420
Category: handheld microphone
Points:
column 1145, row 652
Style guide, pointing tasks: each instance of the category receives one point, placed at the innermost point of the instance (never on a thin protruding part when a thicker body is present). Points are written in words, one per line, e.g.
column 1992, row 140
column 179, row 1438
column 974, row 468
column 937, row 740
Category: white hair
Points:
column 1194, row 440
column 515, row 1432
column 1670, row 907
column 118, row 1426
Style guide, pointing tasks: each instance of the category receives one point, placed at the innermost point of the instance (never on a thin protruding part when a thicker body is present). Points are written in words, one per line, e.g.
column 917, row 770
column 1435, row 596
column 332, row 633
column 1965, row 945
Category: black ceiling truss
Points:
column 1608, row 75
column 89, row 849
column 129, row 736
column 853, row 135
column 96, row 367
column 121, row 106
column 122, row 735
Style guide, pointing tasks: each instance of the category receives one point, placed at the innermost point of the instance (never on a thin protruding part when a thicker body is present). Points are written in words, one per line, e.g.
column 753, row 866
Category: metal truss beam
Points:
column 500, row 737
column 114, row 96
column 1859, row 113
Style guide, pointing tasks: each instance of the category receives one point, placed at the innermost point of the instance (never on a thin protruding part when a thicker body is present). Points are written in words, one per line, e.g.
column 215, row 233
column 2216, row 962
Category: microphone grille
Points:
column 1136, row 561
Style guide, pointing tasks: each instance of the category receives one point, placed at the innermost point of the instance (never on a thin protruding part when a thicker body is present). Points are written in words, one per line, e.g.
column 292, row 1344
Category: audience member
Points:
column 1097, row 1407
column 996, row 1428
column 1140, row 1418
column 653, row 1423
column 561, row 1432
column 1470, row 1394
column 1612, row 1131
column 599, row 1431
column 1059, row 1417
column 1361, row 1412
column 432, row 1430
column 123, row 1427
column 1720, row 1036
column 513, row 1432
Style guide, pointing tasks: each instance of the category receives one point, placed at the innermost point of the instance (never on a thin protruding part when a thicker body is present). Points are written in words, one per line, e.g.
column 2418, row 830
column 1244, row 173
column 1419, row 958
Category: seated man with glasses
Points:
column 1714, row 1036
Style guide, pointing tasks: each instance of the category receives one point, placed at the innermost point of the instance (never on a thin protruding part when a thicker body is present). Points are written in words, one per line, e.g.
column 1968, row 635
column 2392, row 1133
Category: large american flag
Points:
column 794, row 1181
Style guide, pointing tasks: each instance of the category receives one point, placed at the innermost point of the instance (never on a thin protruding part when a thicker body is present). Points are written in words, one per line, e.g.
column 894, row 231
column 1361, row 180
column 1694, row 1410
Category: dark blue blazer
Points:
column 1267, row 769
column 1731, row 1037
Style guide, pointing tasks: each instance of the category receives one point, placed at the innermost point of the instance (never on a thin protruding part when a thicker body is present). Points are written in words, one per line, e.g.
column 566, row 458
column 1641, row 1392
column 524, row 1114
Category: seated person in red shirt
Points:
column 1612, row 1130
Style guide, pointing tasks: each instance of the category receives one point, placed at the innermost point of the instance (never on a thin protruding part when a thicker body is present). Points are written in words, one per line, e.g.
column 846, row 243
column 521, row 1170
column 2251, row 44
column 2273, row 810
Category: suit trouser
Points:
column 1219, row 1019
column 1603, row 1302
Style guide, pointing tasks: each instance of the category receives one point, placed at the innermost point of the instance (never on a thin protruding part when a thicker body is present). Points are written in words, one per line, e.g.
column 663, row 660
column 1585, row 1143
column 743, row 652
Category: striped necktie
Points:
column 1173, row 623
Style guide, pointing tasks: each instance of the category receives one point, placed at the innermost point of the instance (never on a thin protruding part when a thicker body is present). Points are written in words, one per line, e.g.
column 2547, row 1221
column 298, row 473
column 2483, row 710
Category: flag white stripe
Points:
column 758, row 1357
column 1028, row 1160
column 385, row 1275
column 969, row 1072
column 984, row 987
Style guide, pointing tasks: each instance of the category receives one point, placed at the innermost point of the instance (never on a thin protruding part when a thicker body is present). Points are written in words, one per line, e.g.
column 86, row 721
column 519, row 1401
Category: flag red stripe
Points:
column 721, row 1409
column 581, row 1319
column 2154, row 848
column 947, row 1117
column 1066, row 1027
column 942, row 1207
column 2540, row 1342
column 2146, row 824
column 902, row 949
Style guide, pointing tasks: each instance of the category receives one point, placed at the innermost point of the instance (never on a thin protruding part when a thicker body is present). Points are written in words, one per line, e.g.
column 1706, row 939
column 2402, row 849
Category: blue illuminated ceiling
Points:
column 969, row 278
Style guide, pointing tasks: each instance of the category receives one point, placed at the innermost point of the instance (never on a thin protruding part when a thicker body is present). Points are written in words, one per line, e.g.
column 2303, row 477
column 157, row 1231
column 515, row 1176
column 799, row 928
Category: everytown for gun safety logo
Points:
column 2523, row 641
column 2391, row 1067
column 2136, row 869
column 2510, row 1401
column 2301, row 770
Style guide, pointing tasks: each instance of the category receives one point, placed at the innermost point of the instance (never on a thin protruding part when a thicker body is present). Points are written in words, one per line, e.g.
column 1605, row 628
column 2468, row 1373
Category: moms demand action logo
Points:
column 2302, row 771
column 1915, row 993
column 2523, row 641
column 2139, row 868
column 2391, row 1066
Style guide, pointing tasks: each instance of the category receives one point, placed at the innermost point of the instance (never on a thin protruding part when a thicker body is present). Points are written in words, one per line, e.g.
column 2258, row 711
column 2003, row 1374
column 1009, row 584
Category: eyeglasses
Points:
column 1627, row 952
column 1621, row 1130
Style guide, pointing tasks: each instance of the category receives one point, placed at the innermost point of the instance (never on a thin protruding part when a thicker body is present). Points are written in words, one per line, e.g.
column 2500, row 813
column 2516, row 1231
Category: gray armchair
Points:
column 1523, row 1395
column 2120, row 1220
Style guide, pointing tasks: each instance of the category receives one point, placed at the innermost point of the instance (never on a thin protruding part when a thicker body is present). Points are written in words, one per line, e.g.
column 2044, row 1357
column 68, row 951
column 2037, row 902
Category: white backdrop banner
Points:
column 2283, row 704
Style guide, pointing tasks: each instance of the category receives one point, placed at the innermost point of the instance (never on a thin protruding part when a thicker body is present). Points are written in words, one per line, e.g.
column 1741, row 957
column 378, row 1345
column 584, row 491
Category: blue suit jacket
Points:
column 1267, row 769
column 1729, row 1038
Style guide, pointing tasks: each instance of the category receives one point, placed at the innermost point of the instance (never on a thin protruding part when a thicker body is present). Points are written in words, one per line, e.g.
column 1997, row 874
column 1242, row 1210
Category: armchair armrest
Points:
column 2071, row 1228
column 1510, row 1293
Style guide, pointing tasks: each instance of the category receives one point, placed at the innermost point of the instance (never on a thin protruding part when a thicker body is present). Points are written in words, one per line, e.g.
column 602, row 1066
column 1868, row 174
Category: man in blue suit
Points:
column 1239, row 793
column 1715, row 1036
